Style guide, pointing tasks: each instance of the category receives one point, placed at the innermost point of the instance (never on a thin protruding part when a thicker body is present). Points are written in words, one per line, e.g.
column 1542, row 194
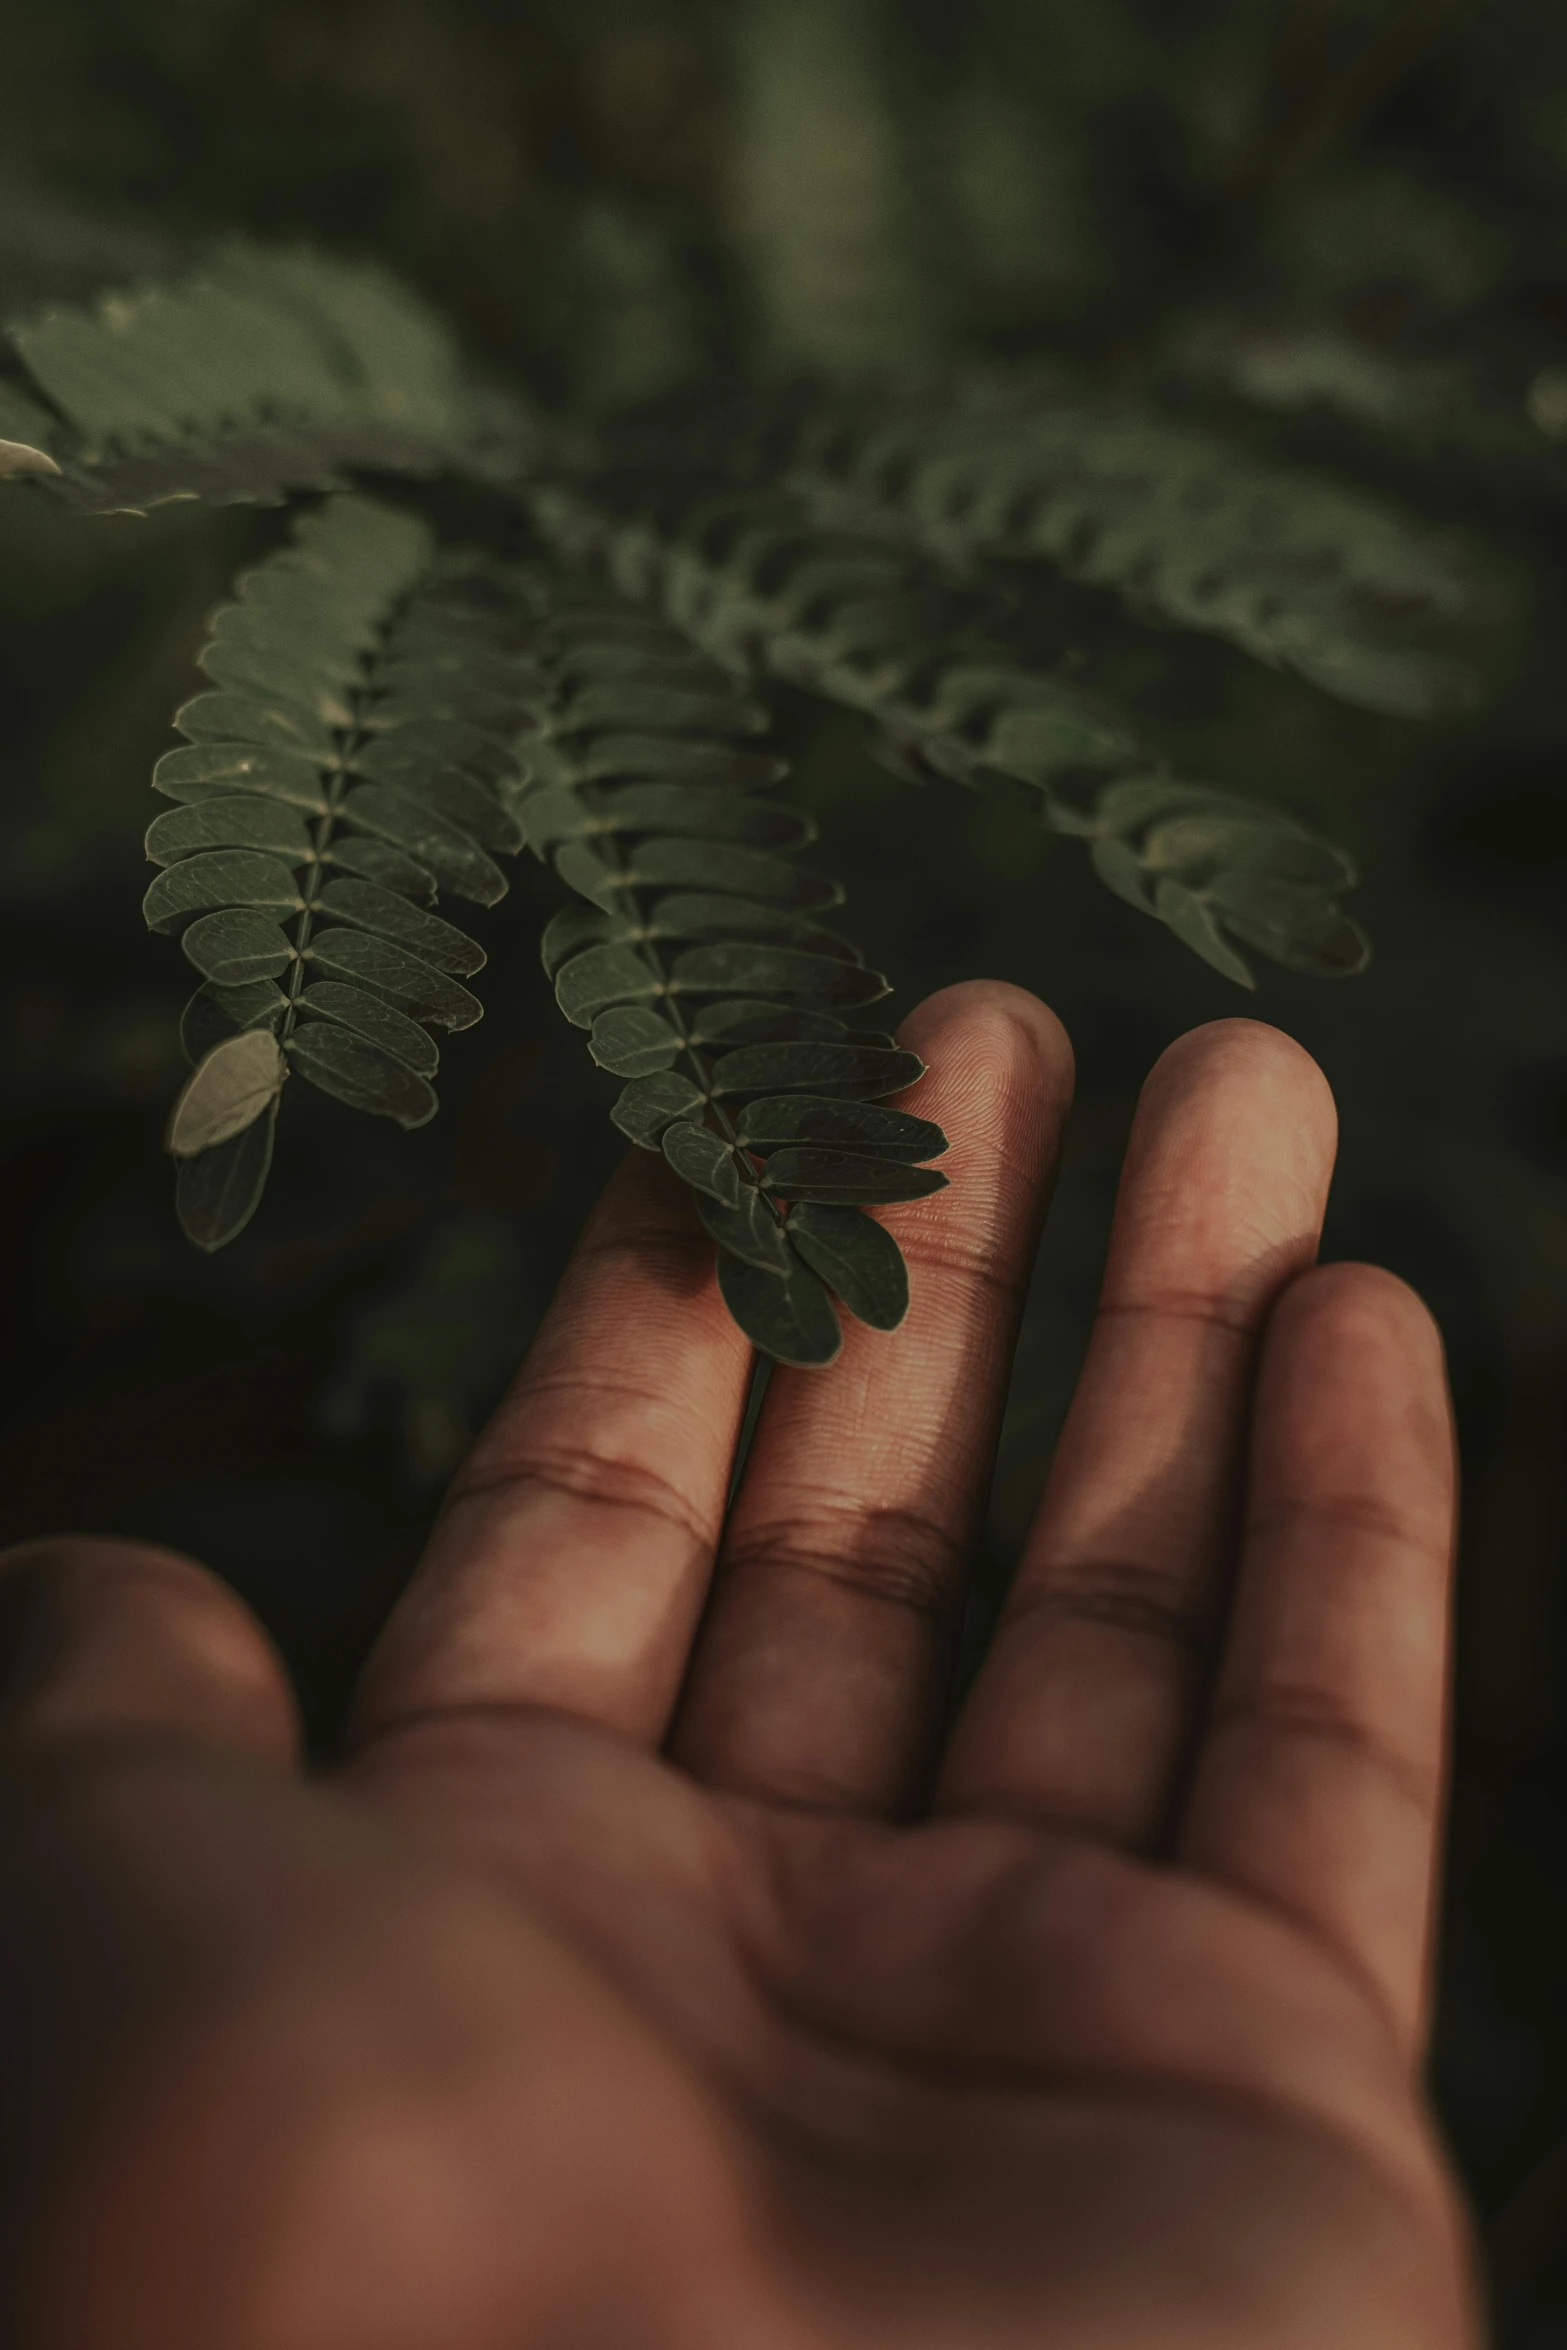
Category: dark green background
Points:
column 619, row 200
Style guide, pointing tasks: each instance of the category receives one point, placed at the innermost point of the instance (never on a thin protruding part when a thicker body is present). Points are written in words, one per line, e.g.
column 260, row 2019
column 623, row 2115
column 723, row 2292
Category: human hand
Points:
column 645, row 1978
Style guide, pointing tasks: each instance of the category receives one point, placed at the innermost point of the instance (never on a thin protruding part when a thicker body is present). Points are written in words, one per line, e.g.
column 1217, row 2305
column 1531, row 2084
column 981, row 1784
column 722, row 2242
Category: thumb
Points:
column 102, row 1639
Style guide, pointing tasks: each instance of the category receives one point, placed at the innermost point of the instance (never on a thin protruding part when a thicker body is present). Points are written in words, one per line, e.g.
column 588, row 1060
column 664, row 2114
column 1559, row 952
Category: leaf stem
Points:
column 670, row 1006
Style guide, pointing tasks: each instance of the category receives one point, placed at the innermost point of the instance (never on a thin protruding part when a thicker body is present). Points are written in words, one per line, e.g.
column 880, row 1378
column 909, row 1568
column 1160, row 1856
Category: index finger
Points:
column 571, row 1558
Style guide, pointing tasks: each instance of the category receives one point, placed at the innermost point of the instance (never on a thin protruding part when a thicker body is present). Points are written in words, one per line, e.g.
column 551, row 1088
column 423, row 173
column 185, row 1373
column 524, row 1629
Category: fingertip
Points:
column 1366, row 1317
column 1001, row 1025
column 1250, row 1061
column 1355, row 1373
column 1357, row 1304
column 999, row 1084
column 101, row 1637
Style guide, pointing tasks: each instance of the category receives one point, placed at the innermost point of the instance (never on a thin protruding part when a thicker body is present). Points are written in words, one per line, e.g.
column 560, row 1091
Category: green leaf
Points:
column 610, row 758
column 738, row 969
column 1294, row 926
column 769, row 1123
column 287, row 677
column 359, row 1073
column 748, row 1020
column 696, row 814
column 1120, row 868
column 575, row 927
column 1141, row 799
column 600, row 977
column 498, row 709
column 693, row 865
column 862, row 1070
column 215, row 1012
column 375, row 1021
column 221, row 877
column 237, row 945
column 369, row 907
column 648, row 1106
column 236, row 820
column 632, row 1041
column 408, row 743
column 582, row 868
column 641, row 651
column 227, row 1091
column 660, row 709
column 246, row 718
column 217, row 1194
column 704, row 1160
column 789, row 1316
column 387, row 813
column 201, row 770
column 286, row 642
column 693, row 914
column 840, row 1178
column 389, row 971
column 711, row 865
column 750, row 1230
column 373, row 860
column 459, row 798
column 1196, row 928
column 1196, row 845
column 1046, row 738
column 856, row 1257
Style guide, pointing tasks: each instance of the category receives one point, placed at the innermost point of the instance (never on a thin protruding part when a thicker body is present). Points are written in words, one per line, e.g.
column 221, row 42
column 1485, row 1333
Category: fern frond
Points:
column 268, row 371
column 703, row 970
column 1301, row 569
column 326, row 790
column 757, row 582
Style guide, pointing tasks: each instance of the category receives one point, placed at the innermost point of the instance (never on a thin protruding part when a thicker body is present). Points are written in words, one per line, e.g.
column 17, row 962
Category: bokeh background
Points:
column 1340, row 223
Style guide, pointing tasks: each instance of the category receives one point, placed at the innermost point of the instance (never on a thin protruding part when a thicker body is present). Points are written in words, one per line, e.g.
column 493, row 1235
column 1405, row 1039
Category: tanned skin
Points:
column 650, row 1974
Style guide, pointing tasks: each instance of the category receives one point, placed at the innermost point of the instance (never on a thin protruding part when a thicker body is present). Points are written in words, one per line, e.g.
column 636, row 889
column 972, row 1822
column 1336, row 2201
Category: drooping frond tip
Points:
column 703, row 968
column 334, row 781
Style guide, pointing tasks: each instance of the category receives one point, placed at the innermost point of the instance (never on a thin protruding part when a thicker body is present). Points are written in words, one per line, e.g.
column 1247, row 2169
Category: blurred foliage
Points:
column 1336, row 229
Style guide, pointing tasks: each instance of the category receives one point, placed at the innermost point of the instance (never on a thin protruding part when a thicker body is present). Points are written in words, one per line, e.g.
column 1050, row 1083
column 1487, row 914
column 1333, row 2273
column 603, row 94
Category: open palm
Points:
column 651, row 1974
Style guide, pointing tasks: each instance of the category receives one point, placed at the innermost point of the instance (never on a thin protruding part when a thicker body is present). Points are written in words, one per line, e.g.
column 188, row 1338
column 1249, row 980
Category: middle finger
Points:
column 818, row 1676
